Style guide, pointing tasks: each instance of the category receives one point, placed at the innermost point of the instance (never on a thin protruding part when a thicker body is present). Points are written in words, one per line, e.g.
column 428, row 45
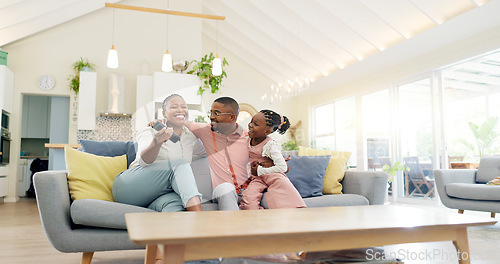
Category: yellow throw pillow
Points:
column 335, row 170
column 91, row 176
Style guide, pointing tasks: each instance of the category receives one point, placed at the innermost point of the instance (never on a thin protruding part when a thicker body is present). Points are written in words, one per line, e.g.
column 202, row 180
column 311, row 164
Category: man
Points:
column 226, row 146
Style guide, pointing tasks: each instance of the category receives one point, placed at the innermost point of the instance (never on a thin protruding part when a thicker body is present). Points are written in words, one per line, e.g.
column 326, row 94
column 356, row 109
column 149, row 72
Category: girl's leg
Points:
column 281, row 193
column 250, row 198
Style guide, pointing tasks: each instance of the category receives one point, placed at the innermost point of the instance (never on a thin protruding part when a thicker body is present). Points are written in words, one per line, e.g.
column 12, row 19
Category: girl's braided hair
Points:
column 273, row 120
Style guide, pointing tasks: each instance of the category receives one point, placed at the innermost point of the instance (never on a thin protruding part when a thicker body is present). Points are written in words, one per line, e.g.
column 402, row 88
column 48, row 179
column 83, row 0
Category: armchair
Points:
column 466, row 189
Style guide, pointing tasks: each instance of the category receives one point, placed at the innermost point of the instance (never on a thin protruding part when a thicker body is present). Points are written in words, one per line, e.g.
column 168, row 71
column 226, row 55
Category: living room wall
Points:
column 140, row 39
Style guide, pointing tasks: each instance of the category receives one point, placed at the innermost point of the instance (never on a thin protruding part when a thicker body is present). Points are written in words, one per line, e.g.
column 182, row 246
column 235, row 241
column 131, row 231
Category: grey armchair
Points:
column 466, row 189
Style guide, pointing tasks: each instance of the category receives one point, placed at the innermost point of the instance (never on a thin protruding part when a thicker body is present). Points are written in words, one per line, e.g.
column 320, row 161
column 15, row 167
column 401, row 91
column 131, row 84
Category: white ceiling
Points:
column 283, row 39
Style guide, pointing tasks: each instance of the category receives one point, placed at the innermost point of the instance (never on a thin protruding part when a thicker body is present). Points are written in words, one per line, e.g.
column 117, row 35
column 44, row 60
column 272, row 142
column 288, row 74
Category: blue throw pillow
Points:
column 307, row 174
column 110, row 148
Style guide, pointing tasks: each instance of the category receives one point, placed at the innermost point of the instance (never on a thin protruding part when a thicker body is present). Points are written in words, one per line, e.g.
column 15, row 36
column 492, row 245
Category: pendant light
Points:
column 166, row 64
column 113, row 54
column 217, row 63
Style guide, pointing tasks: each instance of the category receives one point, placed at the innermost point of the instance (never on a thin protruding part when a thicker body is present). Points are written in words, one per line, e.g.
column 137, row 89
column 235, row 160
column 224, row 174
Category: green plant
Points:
column 485, row 135
column 78, row 66
column 203, row 69
column 393, row 170
column 200, row 119
column 290, row 145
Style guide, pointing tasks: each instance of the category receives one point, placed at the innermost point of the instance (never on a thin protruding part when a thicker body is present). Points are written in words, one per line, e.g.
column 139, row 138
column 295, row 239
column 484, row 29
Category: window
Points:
column 323, row 132
column 471, row 94
column 377, row 128
column 335, row 127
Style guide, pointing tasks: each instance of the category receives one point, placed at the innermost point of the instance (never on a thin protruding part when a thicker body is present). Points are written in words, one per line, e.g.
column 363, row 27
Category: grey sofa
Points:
column 466, row 189
column 93, row 225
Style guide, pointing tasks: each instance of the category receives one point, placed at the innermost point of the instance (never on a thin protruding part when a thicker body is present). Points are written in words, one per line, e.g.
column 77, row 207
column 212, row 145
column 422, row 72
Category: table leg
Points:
column 173, row 254
column 462, row 245
column 151, row 251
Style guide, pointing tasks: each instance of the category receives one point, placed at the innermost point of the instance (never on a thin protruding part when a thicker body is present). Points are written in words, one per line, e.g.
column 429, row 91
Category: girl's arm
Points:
column 272, row 150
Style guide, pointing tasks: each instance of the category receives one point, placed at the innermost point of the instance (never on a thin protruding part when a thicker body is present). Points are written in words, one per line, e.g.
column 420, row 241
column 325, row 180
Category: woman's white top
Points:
column 182, row 149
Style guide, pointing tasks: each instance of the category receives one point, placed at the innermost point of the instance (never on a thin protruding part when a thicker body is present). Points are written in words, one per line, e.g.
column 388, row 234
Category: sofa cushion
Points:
column 336, row 200
column 489, row 168
column 336, row 168
column 473, row 191
column 91, row 176
column 327, row 200
column 98, row 213
column 307, row 174
column 110, row 148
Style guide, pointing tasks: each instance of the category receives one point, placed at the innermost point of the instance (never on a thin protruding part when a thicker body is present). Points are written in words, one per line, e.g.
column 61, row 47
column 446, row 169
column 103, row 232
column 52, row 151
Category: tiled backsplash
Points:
column 110, row 128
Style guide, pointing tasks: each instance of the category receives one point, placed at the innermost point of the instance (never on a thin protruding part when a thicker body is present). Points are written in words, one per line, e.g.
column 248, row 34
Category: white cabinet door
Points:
column 24, row 127
column 37, row 117
column 21, row 178
column 4, row 186
column 8, row 83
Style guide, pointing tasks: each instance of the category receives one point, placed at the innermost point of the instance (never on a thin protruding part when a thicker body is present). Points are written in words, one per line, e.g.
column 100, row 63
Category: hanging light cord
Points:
column 168, row 8
column 113, row 35
column 217, row 38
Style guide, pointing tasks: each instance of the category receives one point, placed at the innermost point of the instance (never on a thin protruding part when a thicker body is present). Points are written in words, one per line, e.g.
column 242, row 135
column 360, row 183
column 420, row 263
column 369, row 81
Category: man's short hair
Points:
column 228, row 101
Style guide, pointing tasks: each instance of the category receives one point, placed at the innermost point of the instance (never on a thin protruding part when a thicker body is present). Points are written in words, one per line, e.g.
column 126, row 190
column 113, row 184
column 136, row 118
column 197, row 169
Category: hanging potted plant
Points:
column 78, row 66
column 203, row 69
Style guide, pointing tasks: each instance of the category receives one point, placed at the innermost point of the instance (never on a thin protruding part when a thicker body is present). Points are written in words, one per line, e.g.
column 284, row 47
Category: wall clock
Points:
column 46, row 82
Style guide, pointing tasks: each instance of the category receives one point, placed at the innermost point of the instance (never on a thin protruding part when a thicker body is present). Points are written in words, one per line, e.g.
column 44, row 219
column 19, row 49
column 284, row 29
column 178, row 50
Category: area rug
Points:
column 491, row 232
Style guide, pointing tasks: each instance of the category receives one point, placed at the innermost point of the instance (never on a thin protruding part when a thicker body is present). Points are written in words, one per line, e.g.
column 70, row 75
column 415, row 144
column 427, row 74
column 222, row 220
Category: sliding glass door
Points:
column 416, row 137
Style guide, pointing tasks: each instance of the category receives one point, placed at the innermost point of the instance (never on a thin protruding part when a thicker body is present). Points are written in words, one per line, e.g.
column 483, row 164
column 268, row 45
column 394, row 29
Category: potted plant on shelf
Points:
column 203, row 69
column 81, row 65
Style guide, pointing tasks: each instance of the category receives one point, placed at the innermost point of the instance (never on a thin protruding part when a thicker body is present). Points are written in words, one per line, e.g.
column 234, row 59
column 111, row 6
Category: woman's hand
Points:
column 150, row 124
column 163, row 135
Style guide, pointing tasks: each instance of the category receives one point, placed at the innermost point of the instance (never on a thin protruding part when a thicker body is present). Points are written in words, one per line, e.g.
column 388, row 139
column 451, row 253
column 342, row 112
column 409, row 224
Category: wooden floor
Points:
column 22, row 240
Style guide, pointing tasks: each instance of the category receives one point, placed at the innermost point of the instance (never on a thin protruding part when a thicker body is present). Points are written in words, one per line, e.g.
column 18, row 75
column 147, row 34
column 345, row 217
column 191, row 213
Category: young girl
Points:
column 280, row 191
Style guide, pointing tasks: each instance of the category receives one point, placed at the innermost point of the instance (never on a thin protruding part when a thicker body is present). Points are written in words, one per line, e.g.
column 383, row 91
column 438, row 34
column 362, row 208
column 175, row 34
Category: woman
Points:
column 160, row 177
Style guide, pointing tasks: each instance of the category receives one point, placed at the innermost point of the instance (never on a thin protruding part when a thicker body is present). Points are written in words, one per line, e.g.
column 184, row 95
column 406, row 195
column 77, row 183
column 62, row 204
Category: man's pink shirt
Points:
column 236, row 144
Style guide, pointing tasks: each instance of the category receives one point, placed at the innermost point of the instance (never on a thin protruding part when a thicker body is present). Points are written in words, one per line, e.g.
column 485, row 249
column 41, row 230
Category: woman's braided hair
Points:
column 165, row 102
column 273, row 120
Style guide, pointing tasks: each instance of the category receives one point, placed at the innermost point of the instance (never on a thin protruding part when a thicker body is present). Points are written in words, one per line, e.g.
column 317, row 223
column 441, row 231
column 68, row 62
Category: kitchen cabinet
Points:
column 6, row 88
column 23, row 184
column 36, row 117
column 4, row 182
column 4, row 186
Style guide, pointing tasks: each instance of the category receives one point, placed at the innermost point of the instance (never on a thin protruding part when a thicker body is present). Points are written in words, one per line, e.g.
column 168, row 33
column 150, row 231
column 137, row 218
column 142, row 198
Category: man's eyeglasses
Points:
column 217, row 113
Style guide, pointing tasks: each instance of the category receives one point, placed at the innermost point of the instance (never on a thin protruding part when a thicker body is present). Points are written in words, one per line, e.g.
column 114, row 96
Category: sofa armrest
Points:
column 370, row 184
column 444, row 177
column 53, row 201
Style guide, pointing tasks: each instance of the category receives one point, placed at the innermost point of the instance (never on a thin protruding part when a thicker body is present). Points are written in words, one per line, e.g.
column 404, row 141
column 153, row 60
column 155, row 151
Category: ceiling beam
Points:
column 9, row 16
column 246, row 56
column 49, row 20
column 279, row 70
column 253, row 17
column 164, row 11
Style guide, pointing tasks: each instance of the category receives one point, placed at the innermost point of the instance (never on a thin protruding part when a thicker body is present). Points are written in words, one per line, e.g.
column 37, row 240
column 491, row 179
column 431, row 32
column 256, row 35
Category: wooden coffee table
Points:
column 189, row 236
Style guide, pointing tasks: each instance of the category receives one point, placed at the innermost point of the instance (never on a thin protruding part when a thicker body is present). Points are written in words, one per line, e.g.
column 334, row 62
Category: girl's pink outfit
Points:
column 280, row 191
